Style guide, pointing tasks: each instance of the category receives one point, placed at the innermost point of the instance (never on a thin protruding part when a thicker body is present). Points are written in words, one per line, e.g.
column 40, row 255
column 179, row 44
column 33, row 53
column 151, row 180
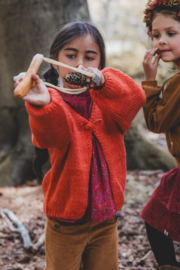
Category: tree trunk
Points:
column 26, row 28
column 143, row 154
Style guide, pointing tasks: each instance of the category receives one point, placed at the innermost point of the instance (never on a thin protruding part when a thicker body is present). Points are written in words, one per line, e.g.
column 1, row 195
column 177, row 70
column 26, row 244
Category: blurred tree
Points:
column 144, row 154
column 26, row 28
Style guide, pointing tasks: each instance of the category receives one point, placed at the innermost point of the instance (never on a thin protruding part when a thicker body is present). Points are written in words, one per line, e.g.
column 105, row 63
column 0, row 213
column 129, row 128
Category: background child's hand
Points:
column 38, row 95
column 95, row 71
column 150, row 68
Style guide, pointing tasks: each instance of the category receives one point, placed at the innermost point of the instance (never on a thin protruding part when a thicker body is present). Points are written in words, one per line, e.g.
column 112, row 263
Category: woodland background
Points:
column 27, row 28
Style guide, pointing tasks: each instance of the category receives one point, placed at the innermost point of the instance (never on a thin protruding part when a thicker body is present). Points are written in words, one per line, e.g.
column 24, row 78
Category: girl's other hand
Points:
column 17, row 82
column 150, row 68
column 95, row 71
column 38, row 95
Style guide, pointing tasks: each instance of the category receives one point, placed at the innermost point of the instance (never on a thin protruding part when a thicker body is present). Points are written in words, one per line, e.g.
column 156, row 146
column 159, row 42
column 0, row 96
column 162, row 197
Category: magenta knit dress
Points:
column 162, row 211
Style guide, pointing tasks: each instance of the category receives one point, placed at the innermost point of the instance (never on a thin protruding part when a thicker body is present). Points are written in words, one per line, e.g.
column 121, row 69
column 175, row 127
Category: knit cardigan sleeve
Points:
column 50, row 124
column 120, row 97
column 162, row 114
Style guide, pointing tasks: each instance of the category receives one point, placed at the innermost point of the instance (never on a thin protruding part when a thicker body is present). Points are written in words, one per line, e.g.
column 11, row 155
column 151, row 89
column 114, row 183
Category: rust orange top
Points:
column 68, row 137
column 162, row 114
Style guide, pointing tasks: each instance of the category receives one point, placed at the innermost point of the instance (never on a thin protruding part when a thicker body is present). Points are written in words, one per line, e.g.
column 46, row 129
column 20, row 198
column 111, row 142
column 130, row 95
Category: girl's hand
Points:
column 95, row 71
column 150, row 69
column 38, row 95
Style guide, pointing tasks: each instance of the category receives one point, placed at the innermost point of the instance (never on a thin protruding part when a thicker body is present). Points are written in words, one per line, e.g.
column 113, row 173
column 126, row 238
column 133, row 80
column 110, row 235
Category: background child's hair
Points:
column 66, row 34
column 166, row 11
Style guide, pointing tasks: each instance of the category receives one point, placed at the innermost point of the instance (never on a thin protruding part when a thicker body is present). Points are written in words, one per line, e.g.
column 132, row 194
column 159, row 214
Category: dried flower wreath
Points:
column 158, row 4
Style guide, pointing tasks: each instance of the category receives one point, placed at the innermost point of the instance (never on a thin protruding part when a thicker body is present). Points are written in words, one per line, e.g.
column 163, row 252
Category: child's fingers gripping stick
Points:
column 25, row 85
column 38, row 95
column 99, row 75
column 99, row 81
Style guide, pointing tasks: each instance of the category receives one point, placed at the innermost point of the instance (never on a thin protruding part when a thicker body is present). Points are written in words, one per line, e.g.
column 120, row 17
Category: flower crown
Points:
column 158, row 4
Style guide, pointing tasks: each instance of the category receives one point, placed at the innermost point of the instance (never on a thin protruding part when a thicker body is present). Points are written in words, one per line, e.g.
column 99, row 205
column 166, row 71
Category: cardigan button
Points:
column 88, row 127
column 56, row 226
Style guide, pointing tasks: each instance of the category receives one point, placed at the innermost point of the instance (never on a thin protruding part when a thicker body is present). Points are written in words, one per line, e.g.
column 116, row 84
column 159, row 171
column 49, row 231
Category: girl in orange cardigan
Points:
column 84, row 136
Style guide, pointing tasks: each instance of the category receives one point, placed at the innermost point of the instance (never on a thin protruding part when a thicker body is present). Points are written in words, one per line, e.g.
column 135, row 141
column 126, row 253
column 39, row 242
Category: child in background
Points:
column 84, row 136
column 162, row 211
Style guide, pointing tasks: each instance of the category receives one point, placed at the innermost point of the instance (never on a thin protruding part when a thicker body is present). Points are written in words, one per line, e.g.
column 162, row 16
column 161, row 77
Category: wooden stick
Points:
column 51, row 61
column 25, row 85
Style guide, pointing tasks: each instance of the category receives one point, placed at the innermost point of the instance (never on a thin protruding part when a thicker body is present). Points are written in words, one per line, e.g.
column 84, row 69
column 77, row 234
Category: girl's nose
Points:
column 79, row 62
column 162, row 41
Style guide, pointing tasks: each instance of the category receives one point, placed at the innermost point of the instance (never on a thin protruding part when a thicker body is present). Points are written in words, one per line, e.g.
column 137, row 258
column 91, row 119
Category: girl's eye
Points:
column 155, row 36
column 171, row 34
column 71, row 56
column 89, row 58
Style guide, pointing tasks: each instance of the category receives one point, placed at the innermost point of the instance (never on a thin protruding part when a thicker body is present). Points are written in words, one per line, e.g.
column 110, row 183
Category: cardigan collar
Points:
column 81, row 104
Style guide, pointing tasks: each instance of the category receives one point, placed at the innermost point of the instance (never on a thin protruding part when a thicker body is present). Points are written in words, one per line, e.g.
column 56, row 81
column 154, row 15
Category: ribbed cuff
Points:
column 149, row 83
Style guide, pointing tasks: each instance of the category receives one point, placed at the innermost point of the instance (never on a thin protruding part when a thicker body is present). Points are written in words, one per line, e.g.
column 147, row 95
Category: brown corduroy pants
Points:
column 95, row 244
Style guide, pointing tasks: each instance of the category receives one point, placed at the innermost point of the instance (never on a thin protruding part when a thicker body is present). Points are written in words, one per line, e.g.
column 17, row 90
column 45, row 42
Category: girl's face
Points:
column 166, row 37
column 80, row 51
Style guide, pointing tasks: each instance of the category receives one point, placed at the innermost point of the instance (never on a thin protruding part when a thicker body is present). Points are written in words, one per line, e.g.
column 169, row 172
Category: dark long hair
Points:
column 66, row 34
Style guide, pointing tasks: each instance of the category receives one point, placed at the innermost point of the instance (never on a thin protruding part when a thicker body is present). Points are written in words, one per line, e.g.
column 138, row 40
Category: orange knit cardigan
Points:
column 67, row 136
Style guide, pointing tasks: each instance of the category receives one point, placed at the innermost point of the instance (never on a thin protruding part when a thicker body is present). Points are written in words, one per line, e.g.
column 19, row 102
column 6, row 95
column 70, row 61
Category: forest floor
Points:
column 26, row 202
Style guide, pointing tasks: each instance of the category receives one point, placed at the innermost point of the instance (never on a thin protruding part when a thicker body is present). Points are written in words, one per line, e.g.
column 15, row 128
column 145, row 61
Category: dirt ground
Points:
column 26, row 203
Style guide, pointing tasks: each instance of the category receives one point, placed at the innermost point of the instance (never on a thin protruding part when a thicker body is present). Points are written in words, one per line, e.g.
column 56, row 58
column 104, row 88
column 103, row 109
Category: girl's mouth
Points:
column 164, row 51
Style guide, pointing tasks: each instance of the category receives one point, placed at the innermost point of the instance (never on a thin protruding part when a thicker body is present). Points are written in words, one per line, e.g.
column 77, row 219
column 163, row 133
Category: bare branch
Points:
column 16, row 226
